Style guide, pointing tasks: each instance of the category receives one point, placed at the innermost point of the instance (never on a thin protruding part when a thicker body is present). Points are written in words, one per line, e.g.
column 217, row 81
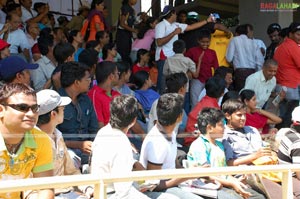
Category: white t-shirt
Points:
column 158, row 150
column 112, row 154
column 163, row 29
column 26, row 15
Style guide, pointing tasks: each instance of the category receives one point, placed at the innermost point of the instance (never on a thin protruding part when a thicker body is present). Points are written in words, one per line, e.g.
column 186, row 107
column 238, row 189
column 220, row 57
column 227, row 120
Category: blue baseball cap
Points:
column 12, row 65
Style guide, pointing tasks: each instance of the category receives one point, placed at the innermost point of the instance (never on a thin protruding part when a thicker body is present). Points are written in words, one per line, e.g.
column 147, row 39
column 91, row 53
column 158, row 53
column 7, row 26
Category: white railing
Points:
column 100, row 183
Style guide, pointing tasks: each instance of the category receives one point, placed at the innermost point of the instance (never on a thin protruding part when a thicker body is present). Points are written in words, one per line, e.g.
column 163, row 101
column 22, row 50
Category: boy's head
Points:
column 204, row 38
column 63, row 52
column 235, row 113
column 169, row 109
column 107, row 71
column 211, row 120
column 179, row 47
column 123, row 111
column 140, row 79
column 215, row 87
column 176, row 83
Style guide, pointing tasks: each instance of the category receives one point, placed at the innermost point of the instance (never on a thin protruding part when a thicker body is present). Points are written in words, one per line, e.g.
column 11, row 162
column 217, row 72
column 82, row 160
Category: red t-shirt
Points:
column 206, row 101
column 136, row 67
column 101, row 101
column 258, row 121
column 208, row 64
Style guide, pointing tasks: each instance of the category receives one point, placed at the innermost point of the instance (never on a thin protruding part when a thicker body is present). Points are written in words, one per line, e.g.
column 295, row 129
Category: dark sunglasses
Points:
column 24, row 107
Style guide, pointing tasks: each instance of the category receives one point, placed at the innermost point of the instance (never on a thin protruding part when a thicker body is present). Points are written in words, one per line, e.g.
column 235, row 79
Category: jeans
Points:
column 195, row 89
column 161, row 84
column 182, row 193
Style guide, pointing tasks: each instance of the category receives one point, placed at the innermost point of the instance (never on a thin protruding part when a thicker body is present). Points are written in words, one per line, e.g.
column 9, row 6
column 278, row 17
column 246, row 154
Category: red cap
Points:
column 3, row 44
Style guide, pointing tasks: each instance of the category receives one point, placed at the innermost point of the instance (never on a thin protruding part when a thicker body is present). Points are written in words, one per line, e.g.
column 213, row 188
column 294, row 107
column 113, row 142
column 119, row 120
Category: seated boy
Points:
column 159, row 148
column 206, row 149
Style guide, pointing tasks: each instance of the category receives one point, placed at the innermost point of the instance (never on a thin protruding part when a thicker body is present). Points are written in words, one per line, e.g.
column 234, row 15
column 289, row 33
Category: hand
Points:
column 86, row 147
column 5, row 28
column 89, row 192
column 177, row 31
column 201, row 56
column 264, row 151
column 210, row 18
column 239, row 188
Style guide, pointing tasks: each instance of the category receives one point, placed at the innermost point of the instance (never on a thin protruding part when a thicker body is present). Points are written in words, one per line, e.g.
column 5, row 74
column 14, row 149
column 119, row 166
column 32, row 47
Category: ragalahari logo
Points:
column 278, row 7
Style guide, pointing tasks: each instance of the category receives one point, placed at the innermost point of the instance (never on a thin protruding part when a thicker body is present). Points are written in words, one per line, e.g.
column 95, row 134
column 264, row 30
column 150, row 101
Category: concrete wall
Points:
column 249, row 12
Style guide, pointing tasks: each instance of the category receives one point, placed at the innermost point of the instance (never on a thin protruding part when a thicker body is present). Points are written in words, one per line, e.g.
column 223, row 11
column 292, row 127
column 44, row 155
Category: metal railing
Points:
column 100, row 183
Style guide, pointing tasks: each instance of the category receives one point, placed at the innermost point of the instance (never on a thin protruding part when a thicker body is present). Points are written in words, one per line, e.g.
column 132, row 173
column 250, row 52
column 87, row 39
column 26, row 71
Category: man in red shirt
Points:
column 288, row 57
column 107, row 76
column 214, row 90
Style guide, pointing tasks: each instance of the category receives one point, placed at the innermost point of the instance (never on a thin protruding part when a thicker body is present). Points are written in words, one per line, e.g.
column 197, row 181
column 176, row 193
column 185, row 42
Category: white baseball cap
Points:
column 49, row 99
column 296, row 114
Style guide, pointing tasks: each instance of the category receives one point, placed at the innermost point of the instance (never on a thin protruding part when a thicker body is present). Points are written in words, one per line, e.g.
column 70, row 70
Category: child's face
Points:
column 217, row 131
column 251, row 103
column 145, row 57
column 237, row 119
column 204, row 43
column 228, row 79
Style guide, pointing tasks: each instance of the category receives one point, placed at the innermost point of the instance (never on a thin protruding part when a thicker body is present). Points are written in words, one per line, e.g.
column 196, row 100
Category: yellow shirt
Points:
column 219, row 42
column 33, row 156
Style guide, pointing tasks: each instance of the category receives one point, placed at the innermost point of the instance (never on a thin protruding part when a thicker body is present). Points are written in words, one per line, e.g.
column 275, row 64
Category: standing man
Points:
column 166, row 32
column 245, row 55
column 288, row 57
column 273, row 32
column 25, row 151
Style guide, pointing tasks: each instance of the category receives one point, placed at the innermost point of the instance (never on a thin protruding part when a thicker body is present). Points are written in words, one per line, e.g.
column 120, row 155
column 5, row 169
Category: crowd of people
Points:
column 165, row 93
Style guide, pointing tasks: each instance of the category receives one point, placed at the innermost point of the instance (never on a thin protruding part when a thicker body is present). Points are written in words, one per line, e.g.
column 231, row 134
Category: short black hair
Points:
column 91, row 44
column 222, row 71
column 246, row 94
column 123, row 67
column 175, row 82
column 242, row 29
column 139, row 78
column 62, row 51
column 230, row 95
column 71, row 35
column 44, row 43
column 106, row 48
column 139, row 53
column 205, row 33
column 72, row 71
column 215, row 87
column 100, row 34
column 232, row 105
column 89, row 57
column 169, row 107
column 123, row 111
column 209, row 116
column 179, row 46
column 104, row 69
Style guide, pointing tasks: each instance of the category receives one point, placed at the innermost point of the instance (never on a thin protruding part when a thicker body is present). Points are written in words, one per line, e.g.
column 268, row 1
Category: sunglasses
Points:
column 24, row 107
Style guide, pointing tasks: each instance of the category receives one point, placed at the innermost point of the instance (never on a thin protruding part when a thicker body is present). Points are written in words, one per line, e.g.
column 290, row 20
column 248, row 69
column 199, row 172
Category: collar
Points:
column 166, row 22
column 29, row 141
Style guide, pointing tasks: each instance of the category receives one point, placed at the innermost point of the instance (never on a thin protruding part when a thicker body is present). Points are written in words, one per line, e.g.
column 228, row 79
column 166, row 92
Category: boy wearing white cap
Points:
column 51, row 113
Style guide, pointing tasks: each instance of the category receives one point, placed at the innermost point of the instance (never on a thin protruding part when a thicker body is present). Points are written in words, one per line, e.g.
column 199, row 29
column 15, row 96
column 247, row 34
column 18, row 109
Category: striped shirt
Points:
column 289, row 149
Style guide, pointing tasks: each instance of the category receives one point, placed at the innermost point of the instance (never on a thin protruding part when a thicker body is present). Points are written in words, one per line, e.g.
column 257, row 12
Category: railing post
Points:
column 287, row 185
column 102, row 189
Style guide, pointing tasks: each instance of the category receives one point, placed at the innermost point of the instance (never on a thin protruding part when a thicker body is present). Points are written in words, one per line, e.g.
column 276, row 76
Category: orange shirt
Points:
column 288, row 57
column 95, row 20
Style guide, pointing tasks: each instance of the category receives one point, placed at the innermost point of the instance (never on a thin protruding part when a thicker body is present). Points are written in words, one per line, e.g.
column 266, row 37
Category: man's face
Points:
column 15, row 22
column 270, row 71
column 25, row 77
column 274, row 37
column 27, row 3
column 84, row 83
column 295, row 36
column 22, row 120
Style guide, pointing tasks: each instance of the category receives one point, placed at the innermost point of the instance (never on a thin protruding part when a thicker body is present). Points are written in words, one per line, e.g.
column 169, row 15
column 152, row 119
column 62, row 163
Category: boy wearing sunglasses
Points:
column 24, row 149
